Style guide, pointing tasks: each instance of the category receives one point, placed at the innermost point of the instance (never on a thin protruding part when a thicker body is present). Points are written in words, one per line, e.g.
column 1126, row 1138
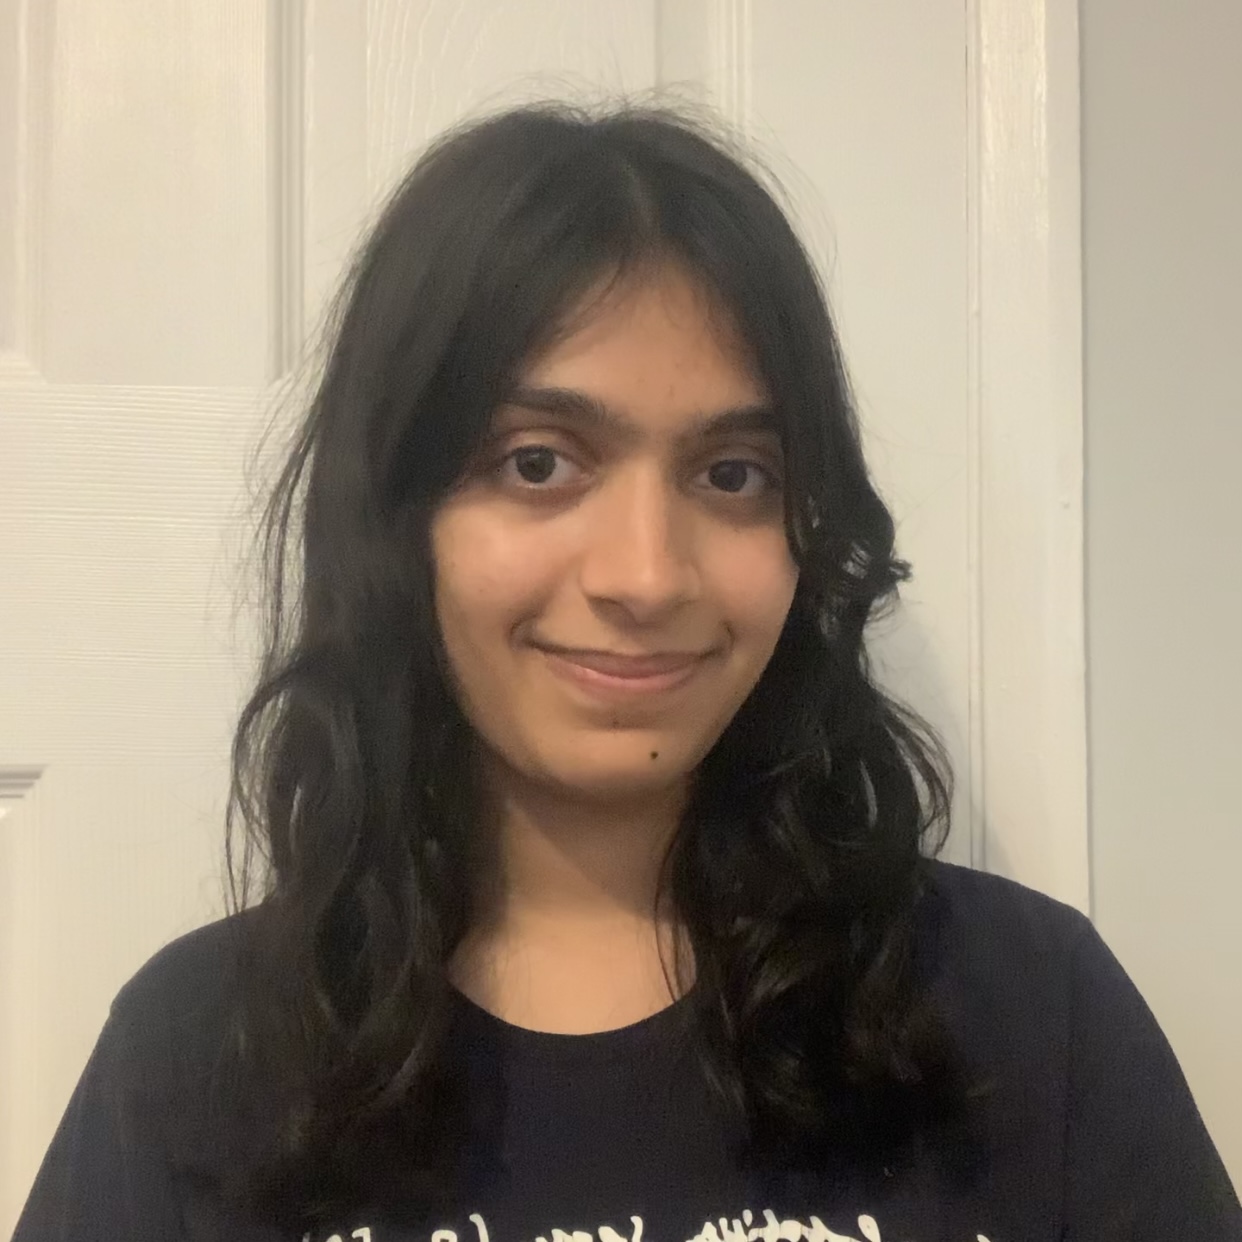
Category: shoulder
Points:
column 962, row 901
column 1027, row 982
column 164, row 1043
column 196, row 959
column 189, row 980
column 1085, row 1104
column 1008, row 962
column 169, row 1049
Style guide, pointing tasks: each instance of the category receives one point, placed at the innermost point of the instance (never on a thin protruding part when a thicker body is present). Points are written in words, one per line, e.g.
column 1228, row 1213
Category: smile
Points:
column 623, row 676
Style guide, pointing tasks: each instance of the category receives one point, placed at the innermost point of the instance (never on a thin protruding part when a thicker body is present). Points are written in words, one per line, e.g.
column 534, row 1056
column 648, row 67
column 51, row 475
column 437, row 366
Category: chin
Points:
column 621, row 779
column 620, row 785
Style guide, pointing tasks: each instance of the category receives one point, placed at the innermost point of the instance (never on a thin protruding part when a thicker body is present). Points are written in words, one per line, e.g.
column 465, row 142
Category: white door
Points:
column 179, row 184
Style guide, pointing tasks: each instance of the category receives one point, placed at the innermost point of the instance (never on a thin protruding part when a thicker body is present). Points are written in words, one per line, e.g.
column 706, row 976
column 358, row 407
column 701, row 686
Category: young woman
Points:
column 600, row 900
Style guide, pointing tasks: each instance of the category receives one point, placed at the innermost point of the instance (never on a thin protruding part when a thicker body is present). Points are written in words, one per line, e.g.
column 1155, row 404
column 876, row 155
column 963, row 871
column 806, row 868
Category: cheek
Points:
column 487, row 576
column 755, row 585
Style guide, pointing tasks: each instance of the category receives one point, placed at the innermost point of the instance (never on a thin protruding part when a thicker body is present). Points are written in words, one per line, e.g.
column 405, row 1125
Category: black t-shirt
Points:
column 1089, row 1134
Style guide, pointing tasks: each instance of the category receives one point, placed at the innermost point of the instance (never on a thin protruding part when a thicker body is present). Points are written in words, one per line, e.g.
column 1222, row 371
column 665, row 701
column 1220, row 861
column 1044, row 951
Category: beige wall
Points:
column 1162, row 190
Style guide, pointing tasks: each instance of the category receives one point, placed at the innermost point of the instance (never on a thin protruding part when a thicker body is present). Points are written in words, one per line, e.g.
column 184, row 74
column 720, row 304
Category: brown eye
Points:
column 732, row 476
column 729, row 476
column 537, row 466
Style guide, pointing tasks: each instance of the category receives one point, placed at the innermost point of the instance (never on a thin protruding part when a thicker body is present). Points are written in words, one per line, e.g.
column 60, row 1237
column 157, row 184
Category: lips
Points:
column 613, row 664
column 616, row 678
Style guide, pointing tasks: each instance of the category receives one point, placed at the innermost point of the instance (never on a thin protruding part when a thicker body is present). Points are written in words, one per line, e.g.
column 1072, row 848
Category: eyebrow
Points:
column 581, row 407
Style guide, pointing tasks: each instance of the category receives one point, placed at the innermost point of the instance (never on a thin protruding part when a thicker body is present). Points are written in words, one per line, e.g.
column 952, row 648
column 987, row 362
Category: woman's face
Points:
column 613, row 573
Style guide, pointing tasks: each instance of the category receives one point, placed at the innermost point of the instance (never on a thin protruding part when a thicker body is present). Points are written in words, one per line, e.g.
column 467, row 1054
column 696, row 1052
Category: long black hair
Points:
column 801, row 856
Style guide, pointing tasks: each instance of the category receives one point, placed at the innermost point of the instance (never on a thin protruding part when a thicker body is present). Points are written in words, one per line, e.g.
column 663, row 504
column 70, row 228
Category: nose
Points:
column 640, row 547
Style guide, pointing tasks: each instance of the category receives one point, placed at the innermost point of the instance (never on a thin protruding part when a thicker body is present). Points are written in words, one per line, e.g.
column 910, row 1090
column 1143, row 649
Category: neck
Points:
column 568, row 931
column 560, row 857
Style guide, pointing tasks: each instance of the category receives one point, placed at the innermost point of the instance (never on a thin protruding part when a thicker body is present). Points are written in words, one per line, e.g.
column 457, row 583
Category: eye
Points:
column 734, row 475
column 536, row 466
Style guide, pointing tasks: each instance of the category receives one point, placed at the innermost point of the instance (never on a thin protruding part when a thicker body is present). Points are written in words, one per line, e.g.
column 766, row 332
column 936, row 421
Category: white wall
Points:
column 1162, row 223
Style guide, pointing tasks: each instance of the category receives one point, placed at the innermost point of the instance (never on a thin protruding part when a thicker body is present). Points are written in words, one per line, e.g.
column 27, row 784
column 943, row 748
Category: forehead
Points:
column 587, row 412
column 657, row 335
